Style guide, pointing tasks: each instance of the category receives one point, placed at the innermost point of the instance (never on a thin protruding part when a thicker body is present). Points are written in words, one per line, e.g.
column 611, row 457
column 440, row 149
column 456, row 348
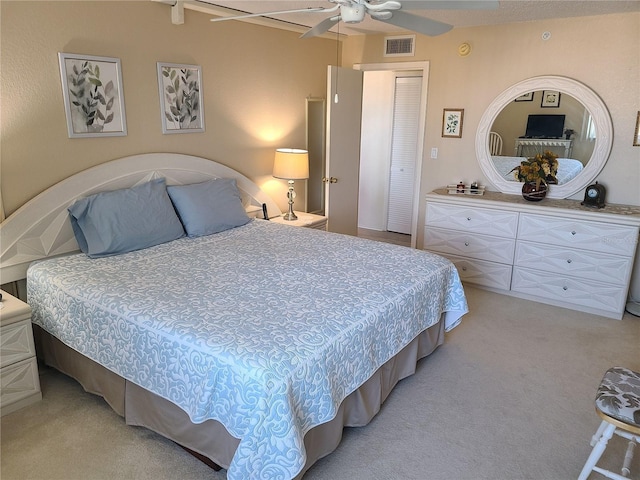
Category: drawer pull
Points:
column 468, row 219
column 565, row 288
column 464, row 269
column 573, row 232
column 569, row 260
column 466, row 244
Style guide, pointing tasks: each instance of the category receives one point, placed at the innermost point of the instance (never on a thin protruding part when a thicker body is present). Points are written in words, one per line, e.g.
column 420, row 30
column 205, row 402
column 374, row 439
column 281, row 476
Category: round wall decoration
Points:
column 464, row 49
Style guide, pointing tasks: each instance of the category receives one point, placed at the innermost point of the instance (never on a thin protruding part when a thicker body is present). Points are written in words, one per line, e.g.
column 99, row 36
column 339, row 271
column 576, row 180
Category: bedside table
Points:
column 19, row 382
column 309, row 220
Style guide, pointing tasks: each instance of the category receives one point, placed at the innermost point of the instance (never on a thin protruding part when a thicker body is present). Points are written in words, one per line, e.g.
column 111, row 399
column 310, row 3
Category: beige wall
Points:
column 255, row 81
column 601, row 52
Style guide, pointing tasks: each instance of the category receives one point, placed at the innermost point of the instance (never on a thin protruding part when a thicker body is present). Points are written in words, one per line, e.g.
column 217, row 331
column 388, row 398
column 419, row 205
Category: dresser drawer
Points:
column 473, row 220
column 482, row 247
column 16, row 342
column 479, row 272
column 590, row 265
column 570, row 290
column 579, row 234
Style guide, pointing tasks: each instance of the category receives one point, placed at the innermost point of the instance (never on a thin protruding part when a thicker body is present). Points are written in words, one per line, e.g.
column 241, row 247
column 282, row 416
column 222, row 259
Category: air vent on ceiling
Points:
column 399, row 46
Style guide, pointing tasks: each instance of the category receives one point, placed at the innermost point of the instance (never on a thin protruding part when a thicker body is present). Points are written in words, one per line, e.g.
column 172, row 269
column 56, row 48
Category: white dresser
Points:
column 554, row 251
column 20, row 384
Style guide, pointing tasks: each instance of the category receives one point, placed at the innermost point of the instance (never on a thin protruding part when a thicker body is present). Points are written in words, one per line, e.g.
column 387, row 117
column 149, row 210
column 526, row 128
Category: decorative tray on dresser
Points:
column 554, row 251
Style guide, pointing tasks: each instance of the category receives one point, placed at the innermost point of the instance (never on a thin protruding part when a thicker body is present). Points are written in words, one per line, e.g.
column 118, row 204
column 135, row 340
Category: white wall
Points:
column 255, row 82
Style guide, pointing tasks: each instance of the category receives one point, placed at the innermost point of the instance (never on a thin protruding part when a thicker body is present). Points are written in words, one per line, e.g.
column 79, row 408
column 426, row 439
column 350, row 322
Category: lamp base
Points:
column 291, row 194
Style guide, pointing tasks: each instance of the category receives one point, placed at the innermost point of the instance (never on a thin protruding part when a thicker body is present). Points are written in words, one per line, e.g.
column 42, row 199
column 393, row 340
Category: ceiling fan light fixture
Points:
column 352, row 13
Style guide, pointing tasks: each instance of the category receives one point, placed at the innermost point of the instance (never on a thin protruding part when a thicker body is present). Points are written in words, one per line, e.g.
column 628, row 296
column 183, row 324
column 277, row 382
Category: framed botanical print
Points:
column 452, row 122
column 181, row 104
column 93, row 95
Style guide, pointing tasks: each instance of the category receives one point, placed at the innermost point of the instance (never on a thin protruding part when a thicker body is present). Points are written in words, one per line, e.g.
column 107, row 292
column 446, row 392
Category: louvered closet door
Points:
column 404, row 145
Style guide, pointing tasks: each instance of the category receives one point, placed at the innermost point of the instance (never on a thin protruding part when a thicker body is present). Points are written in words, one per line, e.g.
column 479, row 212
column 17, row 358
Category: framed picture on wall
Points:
column 550, row 99
column 181, row 104
column 93, row 95
column 527, row 97
column 452, row 122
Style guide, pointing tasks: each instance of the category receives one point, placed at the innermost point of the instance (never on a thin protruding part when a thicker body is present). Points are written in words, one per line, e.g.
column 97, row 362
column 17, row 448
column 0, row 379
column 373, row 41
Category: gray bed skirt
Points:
column 140, row 407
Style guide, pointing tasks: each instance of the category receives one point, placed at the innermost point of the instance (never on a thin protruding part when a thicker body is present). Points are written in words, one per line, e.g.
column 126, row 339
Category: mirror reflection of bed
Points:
column 568, row 168
column 523, row 128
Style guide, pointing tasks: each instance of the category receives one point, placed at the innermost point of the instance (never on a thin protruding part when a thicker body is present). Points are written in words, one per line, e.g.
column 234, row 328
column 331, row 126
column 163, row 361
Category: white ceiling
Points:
column 509, row 11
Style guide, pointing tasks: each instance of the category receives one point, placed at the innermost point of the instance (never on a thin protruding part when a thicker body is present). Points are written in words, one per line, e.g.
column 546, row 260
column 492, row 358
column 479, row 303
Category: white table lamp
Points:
column 291, row 164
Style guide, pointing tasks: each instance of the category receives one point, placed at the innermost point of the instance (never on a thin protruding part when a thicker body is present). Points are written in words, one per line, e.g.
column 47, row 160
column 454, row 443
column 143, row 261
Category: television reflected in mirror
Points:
column 545, row 126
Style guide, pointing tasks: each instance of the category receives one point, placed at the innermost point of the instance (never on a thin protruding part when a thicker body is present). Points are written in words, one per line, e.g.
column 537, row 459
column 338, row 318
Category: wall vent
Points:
column 401, row 46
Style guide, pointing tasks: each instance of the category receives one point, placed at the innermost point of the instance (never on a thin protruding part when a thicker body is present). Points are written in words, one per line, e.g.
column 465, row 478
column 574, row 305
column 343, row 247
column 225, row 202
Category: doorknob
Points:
column 329, row 180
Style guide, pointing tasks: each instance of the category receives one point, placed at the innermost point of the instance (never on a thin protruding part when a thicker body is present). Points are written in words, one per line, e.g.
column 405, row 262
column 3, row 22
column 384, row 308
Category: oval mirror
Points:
column 545, row 113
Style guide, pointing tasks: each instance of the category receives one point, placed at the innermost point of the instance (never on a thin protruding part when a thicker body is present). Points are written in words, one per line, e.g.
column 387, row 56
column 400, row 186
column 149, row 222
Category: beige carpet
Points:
column 509, row 396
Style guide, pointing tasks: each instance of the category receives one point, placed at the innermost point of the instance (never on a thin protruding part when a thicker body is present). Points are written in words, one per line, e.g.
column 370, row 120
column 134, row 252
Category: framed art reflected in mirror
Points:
column 550, row 99
column 527, row 97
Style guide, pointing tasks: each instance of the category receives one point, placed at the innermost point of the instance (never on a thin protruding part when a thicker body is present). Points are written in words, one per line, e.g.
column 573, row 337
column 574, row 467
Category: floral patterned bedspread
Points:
column 265, row 328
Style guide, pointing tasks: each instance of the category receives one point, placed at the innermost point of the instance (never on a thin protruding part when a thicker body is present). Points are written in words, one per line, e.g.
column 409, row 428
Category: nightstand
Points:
column 19, row 382
column 309, row 220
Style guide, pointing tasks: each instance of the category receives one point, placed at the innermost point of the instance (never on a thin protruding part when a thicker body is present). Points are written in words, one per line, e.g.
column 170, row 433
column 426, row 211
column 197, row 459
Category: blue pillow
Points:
column 208, row 207
column 120, row 221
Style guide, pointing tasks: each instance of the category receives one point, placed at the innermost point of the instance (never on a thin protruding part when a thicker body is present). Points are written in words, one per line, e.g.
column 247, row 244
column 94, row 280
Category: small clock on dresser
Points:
column 594, row 196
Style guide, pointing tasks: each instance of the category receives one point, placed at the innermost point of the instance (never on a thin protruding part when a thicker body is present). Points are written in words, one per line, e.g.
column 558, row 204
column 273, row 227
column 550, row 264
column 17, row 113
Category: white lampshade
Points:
column 291, row 164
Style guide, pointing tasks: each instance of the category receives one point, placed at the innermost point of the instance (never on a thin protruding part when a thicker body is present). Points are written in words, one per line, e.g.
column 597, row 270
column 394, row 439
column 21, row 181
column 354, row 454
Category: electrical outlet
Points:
column 434, row 152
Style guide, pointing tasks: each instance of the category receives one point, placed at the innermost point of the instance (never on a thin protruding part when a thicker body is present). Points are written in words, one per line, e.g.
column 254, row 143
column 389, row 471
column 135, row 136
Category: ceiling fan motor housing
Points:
column 355, row 11
column 352, row 13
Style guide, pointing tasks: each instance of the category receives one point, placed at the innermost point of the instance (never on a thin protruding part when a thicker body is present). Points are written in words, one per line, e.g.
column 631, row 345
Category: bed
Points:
column 252, row 346
column 568, row 168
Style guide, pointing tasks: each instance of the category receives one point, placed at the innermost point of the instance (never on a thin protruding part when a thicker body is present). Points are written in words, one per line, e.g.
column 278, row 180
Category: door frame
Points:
column 399, row 67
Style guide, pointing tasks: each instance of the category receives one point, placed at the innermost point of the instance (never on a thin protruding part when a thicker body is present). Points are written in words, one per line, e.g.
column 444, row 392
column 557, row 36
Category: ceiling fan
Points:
column 393, row 12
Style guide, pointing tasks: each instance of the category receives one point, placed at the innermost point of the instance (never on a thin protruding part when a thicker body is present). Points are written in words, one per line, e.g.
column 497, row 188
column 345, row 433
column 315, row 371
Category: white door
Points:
column 375, row 149
column 379, row 216
column 343, row 149
column 404, row 148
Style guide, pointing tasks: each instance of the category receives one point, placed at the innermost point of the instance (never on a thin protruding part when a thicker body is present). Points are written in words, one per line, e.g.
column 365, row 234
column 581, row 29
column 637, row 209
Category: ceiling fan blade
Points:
column 277, row 12
column 418, row 24
column 322, row 27
column 383, row 6
column 449, row 4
